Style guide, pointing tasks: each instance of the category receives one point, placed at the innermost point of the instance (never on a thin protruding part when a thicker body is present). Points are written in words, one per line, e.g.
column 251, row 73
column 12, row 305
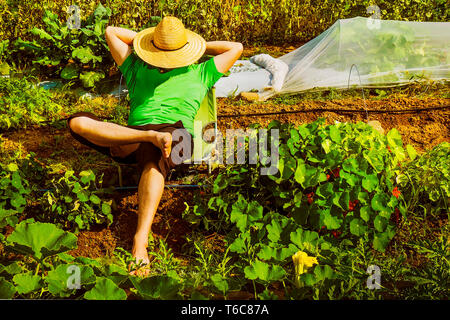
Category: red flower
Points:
column 336, row 172
column 336, row 234
column 328, row 176
column 389, row 149
column 396, row 192
column 396, row 216
column 352, row 204
column 310, row 197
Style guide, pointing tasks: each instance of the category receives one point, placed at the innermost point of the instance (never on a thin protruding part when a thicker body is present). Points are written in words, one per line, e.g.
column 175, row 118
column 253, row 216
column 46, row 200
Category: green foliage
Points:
column 14, row 190
column 270, row 21
column 339, row 177
column 105, row 289
column 335, row 184
column 58, row 278
column 40, row 240
column 23, row 103
column 76, row 202
column 427, row 180
column 157, row 287
column 71, row 51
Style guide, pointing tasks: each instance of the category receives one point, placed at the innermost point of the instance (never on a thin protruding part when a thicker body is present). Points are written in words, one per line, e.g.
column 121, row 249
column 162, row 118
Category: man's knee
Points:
column 78, row 124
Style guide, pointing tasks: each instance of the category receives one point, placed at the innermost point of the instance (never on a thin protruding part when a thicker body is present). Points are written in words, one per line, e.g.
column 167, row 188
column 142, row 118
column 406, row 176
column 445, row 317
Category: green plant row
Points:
column 309, row 231
column 336, row 185
column 23, row 103
column 268, row 20
column 44, row 34
column 49, row 272
column 69, row 201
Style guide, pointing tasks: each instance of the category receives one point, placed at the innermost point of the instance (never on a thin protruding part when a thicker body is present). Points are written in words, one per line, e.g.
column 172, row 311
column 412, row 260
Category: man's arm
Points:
column 119, row 41
column 226, row 53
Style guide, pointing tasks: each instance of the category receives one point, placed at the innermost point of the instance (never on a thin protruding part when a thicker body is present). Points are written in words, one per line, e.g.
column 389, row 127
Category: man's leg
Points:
column 107, row 134
column 151, row 187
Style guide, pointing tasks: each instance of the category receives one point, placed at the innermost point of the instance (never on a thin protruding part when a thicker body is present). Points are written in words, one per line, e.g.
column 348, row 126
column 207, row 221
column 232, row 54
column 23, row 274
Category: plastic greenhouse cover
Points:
column 357, row 51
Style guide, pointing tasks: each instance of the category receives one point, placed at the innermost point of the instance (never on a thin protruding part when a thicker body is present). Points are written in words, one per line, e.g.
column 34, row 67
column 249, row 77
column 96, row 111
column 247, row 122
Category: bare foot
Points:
column 141, row 263
column 163, row 140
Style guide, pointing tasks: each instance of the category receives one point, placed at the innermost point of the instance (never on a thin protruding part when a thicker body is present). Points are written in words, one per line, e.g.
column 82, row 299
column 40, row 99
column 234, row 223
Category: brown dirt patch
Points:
column 423, row 129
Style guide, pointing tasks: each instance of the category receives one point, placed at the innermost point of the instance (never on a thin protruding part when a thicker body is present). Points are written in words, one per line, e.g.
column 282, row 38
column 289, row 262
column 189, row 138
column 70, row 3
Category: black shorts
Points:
column 147, row 152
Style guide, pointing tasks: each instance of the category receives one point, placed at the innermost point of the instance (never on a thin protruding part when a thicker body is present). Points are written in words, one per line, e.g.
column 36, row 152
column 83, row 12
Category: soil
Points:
column 423, row 130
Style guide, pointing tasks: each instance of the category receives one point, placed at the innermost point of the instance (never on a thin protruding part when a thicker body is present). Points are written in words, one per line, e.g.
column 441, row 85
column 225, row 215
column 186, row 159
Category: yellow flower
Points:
column 301, row 263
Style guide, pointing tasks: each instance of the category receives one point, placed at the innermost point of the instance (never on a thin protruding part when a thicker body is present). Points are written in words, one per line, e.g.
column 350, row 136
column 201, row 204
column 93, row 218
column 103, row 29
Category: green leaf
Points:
column 69, row 72
column 330, row 221
column 365, row 212
column 157, row 287
column 12, row 167
column 263, row 271
column 60, row 279
column 394, row 138
column 7, row 289
column 357, row 227
column 380, row 223
column 370, row 182
column 305, row 239
column 412, row 153
column 40, row 239
column 380, row 202
column 90, row 78
column 13, row 268
column 106, row 208
column 326, row 145
column 274, row 230
column 84, row 54
column 306, row 175
column 341, row 199
column 105, row 289
column 27, row 282
column 320, row 273
column 380, row 241
column 325, row 190
column 42, row 34
column 335, row 134
column 254, row 211
column 87, row 176
column 220, row 282
column 82, row 195
column 238, row 215
column 94, row 199
column 239, row 243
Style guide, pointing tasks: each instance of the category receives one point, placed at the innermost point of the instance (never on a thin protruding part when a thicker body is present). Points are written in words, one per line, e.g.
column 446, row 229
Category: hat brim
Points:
column 188, row 54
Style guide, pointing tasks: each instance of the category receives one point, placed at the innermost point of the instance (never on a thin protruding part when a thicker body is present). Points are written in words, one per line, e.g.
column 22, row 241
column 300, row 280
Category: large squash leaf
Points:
column 105, row 289
column 40, row 240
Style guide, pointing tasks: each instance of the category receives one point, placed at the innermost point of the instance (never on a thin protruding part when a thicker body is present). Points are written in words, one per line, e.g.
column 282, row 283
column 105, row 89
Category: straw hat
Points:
column 169, row 44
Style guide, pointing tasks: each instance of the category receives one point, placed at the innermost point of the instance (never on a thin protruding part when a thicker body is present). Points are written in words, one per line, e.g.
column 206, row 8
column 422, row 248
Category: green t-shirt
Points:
column 167, row 97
